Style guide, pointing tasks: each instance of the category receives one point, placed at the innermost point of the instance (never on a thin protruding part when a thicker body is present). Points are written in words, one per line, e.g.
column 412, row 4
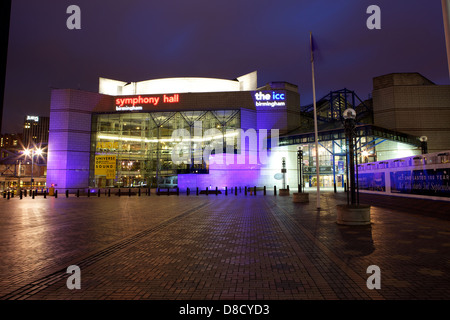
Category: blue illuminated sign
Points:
column 269, row 98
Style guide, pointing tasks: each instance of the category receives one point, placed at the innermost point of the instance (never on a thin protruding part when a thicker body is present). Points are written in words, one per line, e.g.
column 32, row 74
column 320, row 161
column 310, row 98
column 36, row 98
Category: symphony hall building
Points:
column 126, row 135
column 133, row 123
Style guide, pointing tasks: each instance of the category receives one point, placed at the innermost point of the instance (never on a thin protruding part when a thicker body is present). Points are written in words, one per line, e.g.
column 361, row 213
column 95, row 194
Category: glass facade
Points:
column 140, row 145
column 332, row 155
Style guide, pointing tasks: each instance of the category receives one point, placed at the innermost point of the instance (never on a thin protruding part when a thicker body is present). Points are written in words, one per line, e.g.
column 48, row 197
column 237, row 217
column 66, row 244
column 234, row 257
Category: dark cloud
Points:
column 139, row 40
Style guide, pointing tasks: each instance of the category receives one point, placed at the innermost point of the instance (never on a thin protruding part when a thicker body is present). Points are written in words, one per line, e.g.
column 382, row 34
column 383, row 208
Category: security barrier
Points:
column 138, row 192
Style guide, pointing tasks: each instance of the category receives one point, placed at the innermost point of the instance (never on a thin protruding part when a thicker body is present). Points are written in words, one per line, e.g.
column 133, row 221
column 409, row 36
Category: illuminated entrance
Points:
column 142, row 145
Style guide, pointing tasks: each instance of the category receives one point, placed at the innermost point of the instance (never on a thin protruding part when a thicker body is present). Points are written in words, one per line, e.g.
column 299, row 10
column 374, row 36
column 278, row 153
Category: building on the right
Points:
column 412, row 104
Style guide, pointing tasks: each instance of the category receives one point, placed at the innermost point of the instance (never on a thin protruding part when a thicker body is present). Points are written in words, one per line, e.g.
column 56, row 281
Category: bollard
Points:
column 98, row 193
column 9, row 195
column 129, row 192
column 12, row 194
column 158, row 191
column 254, row 188
column 207, row 190
column 168, row 191
column 32, row 195
column 20, row 195
column 56, row 193
column 187, row 191
column 119, row 192
column 149, row 192
column 197, row 190
column 274, row 190
column 240, row 190
column 89, row 193
column 67, row 193
column 264, row 190
column 178, row 191
column 105, row 192
column 109, row 192
column 216, row 191
column 287, row 187
column 226, row 191
column 78, row 193
column 235, row 191
column 31, row 191
column 45, row 194
column 25, row 193
column 246, row 190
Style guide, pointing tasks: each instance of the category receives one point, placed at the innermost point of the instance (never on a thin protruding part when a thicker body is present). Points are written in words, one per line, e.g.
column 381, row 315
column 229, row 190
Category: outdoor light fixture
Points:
column 353, row 213
column 300, row 169
column 31, row 153
column 424, row 144
column 349, row 113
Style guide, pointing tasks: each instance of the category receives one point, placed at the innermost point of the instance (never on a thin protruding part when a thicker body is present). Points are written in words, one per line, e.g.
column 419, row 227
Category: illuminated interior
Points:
column 143, row 144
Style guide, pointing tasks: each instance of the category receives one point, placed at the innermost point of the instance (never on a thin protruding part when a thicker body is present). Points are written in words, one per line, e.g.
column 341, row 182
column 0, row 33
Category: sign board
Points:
column 272, row 98
column 278, row 176
column 429, row 182
column 33, row 118
column 105, row 166
column 137, row 103
column 374, row 181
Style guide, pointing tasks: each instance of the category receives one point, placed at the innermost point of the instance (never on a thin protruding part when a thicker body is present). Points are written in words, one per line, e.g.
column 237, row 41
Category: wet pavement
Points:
column 218, row 247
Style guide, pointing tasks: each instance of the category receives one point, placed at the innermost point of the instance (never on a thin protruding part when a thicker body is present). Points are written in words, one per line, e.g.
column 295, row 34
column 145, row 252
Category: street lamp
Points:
column 32, row 152
column 349, row 125
column 300, row 169
column 300, row 196
column 354, row 213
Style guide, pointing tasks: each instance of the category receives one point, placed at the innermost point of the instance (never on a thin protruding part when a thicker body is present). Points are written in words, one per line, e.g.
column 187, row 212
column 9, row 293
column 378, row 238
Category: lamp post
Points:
column 424, row 144
column 32, row 152
column 349, row 125
column 300, row 196
column 299, row 169
column 353, row 213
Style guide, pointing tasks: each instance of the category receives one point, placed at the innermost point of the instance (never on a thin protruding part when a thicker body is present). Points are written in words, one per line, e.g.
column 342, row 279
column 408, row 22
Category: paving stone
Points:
column 199, row 247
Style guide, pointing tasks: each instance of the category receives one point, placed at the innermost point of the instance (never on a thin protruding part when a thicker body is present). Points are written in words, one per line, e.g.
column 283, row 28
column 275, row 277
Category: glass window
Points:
column 142, row 144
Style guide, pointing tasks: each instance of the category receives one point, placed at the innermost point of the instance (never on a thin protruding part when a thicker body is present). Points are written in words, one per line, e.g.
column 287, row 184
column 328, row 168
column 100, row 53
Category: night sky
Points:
column 138, row 40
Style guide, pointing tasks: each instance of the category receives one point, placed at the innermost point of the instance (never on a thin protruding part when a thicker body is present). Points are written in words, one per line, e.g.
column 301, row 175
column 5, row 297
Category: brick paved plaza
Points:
column 219, row 247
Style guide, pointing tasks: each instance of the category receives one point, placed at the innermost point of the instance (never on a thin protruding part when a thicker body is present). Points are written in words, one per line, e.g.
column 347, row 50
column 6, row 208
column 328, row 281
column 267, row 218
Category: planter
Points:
column 353, row 214
column 283, row 192
column 300, row 197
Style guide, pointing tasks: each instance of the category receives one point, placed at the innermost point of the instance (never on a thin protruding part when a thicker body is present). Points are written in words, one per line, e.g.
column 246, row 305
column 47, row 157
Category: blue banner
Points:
column 401, row 182
column 374, row 181
column 430, row 182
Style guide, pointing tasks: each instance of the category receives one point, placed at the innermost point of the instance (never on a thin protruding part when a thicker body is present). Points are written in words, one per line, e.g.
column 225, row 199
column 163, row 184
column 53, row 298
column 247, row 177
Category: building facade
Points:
column 35, row 131
column 202, row 132
column 410, row 103
column 123, row 136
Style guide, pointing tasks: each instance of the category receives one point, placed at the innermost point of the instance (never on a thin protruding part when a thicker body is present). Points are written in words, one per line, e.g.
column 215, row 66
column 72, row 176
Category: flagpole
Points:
column 315, row 122
column 446, row 13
